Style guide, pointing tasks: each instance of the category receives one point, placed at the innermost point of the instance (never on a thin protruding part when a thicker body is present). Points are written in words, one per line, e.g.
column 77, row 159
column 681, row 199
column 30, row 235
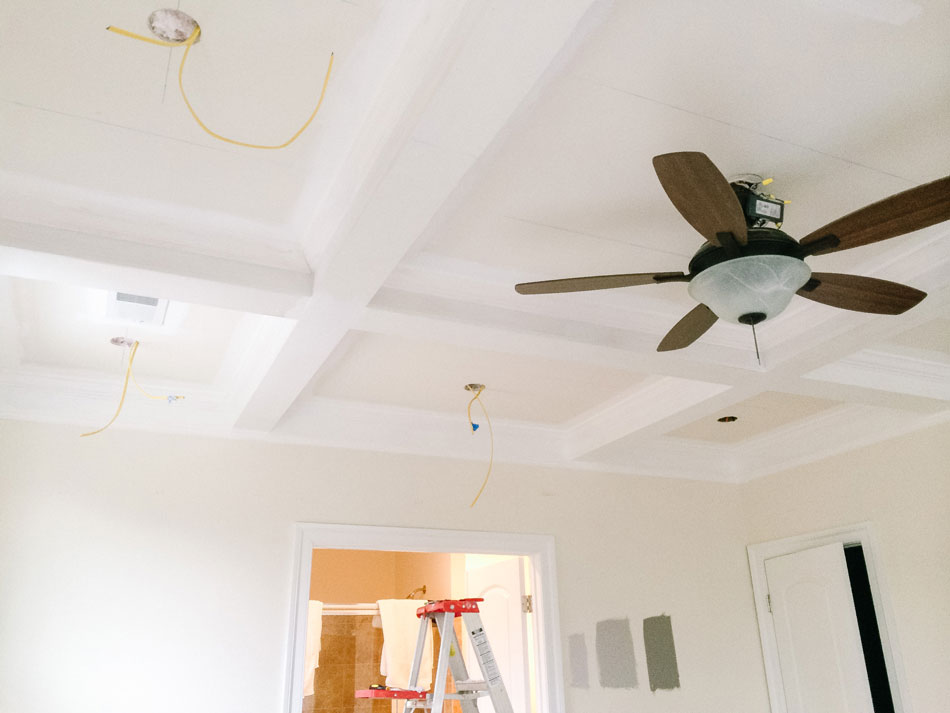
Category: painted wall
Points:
column 156, row 569
column 903, row 488
column 349, row 576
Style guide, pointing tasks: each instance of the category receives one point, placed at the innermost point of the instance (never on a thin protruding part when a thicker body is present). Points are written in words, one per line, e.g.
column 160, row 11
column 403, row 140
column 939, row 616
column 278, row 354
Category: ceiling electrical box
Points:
column 137, row 309
column 758, row 207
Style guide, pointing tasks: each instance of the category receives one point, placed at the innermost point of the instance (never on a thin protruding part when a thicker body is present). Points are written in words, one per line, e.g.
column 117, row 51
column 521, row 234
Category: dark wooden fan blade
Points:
column 701, row 194
column 597, row 282
column 903, row 212
column 861, row 294
column 694, row 325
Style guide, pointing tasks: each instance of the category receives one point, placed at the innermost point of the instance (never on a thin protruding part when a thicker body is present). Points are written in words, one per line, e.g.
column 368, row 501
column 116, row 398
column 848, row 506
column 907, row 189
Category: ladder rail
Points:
column 443, row 613
column 414, row 671
column 487, row 663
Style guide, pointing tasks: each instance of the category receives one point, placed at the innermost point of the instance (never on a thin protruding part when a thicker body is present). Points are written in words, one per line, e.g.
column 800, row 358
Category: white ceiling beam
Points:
column 642, row 406
column 511, row 332
column 343, row 423
column 376, row 216
column 40, row 252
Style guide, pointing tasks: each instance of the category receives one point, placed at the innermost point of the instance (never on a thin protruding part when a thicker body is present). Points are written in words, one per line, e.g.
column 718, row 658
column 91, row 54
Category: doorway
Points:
column 347, row 569
column 827, row 637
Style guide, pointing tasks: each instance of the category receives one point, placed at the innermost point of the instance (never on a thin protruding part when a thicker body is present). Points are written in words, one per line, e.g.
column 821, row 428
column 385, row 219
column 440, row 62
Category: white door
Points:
column 816, row 630
column 502, row 586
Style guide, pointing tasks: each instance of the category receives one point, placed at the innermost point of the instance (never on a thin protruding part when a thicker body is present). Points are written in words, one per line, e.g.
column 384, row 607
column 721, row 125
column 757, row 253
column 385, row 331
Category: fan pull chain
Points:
column 756, row 341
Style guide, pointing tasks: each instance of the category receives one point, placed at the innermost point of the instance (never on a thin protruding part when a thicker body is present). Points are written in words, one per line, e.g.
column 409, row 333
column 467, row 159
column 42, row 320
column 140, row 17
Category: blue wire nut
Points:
column 474, row 427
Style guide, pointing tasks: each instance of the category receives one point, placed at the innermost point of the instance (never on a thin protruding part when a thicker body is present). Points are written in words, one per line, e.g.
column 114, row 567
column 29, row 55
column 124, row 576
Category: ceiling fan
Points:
column 746, row 272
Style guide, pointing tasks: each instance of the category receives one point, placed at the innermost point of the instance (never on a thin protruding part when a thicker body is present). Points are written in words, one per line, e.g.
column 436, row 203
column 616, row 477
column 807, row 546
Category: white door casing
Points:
column 816, row 630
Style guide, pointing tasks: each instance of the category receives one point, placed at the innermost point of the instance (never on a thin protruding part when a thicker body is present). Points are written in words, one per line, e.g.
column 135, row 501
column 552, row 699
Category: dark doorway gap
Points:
column 867, row 625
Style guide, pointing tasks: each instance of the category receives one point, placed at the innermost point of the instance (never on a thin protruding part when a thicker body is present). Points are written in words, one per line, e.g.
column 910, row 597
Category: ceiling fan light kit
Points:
column 745, row 272
column 762, row 284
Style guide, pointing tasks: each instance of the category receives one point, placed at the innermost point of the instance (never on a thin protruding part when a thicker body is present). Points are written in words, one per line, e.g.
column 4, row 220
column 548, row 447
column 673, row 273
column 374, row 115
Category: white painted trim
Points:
column 644, row 405
column 894, row 369
column 860, row 532
column 538, row 548
column 38, row 252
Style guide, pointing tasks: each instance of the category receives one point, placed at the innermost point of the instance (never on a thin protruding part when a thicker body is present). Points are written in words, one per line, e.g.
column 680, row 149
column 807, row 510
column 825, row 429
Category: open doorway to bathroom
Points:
column 346, row 632
column 340, row 590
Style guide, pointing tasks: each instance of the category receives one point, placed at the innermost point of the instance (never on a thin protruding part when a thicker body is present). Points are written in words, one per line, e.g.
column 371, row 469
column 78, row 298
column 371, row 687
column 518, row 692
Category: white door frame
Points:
column 859, row 533
column 538, row 548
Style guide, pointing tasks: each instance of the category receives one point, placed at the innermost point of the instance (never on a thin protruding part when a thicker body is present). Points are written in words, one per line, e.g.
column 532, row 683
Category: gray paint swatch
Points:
column 661, row 654
column 618, row 669
column 577, row 651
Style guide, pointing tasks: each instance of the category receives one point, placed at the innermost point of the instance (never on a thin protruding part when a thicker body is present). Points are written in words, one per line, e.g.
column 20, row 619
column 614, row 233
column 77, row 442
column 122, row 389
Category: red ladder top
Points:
column 458, row 606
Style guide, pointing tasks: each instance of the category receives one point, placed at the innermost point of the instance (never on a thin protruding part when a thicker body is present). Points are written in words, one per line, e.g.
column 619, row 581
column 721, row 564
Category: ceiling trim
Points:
column 40, row 252
column 917, row 373
column 400, row 199
column 642, row 406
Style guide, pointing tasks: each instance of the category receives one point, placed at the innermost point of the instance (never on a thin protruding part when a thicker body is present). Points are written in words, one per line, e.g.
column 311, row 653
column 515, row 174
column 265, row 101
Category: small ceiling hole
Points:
column 727, row 419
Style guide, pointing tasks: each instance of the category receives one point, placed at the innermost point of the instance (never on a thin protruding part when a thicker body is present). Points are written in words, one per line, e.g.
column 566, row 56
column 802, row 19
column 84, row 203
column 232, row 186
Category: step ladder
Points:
column 443, row 613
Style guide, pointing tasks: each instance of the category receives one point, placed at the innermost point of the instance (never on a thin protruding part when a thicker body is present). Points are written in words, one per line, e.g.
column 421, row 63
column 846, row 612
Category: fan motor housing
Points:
column 762, row 241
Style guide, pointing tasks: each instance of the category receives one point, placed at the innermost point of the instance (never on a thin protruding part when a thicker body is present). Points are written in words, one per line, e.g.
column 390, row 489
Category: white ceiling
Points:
column 343, row 290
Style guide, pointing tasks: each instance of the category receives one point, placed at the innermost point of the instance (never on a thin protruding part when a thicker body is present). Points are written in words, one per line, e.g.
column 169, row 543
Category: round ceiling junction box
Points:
column 172, row 25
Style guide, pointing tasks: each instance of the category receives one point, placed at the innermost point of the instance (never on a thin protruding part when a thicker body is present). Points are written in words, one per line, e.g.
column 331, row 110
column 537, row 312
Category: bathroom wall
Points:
column 347, row 576
column 349, row 660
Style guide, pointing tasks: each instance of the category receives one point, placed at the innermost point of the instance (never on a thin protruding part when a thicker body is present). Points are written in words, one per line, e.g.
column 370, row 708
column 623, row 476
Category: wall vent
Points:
column 136, row 309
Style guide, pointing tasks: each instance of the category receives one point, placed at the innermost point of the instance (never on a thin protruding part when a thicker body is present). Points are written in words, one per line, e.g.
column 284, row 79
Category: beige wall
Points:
column 156, row 569
column 903, row 488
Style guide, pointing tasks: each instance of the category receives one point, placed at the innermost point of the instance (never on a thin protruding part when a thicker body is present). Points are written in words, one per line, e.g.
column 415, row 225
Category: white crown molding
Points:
column 828, row 434
column 667, row 457
column 66, row 396
column 642, row 406
column 369, row 426
column 169, row 226
column 902, row 371
column 53, row 395
column 39, row 252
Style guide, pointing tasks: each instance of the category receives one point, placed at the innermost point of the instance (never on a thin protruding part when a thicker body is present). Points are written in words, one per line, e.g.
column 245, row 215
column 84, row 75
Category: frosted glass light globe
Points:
column 744, row 285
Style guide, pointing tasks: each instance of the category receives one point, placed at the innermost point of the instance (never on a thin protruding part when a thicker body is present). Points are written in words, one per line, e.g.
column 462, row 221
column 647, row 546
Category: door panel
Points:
column 502, row 586
column 816, row 631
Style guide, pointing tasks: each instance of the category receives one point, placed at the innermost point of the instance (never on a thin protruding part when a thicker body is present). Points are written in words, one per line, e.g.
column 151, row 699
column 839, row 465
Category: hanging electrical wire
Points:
column 477, row 389
column 134, row 345
column 192, row 38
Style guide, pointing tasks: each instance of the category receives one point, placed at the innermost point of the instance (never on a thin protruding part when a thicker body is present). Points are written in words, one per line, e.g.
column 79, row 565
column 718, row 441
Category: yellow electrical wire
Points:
column 491, row 435
column 125, row 387
column 181, row 68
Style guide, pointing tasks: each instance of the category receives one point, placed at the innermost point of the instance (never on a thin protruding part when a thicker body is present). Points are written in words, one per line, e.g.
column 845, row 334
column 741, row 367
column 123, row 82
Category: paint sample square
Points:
column 577, row 658
column 661, row 653
column 615, row 660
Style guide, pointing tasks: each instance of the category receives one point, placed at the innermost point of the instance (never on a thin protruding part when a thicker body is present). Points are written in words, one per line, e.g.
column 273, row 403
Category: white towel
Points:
column 400, row 631
column 311, row 659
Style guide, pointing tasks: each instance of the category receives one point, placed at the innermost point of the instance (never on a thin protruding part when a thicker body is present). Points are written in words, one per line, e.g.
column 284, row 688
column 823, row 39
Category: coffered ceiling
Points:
column 343, row 290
